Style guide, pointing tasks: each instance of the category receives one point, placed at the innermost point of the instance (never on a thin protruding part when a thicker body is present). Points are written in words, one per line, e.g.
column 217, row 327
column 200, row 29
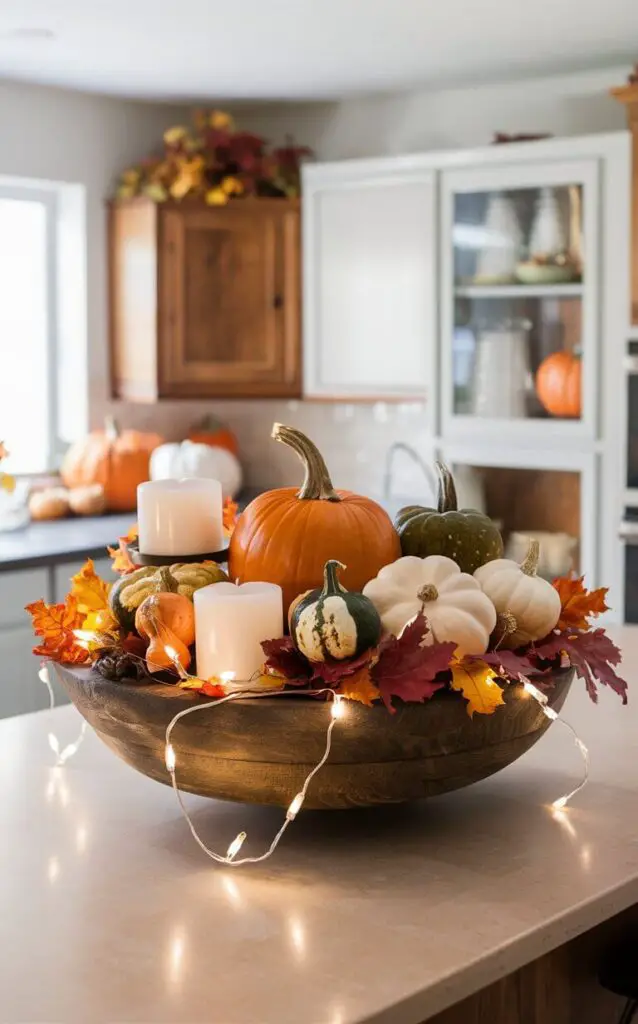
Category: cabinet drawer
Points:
column 18, row 589
column 20, row 689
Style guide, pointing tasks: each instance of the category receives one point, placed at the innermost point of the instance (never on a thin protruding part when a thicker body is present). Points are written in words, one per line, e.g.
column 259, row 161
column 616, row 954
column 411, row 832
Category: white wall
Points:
column 572, row 104
column 63, row 136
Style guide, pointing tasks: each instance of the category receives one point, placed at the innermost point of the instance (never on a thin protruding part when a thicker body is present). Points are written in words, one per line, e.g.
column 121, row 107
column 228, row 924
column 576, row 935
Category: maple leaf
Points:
column 56, row 623
column 477, row 682
column 90, row 592
column 593, row 655
column 578, row 604
column 229, row 516
column 122, row 562
column 285, row 660
column 332, row 672
column 406, row 668
column 510, row 663
column 360, row 687
column 101, row 621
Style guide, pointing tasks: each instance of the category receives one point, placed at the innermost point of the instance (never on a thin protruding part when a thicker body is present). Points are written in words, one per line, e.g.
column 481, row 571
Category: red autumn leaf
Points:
column 511, row 663
column 578, row 604
column 332, row 672
column 283, row 658
column 133, row 644
column 56, row 623
column 592, row 654
column 209, row 689
column 406, row 669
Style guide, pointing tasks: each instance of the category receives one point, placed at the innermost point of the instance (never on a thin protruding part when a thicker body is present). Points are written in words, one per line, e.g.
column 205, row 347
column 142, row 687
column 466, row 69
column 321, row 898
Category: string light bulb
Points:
column 235, row 846
column 295, row 807
column 337, row 709
column 62, row 754
column 169, row 758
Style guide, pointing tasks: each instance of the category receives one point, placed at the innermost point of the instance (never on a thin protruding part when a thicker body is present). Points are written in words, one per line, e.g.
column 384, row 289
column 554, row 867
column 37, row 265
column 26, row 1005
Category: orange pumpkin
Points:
column 167, row 620
column 558, row 384
column 117, row 461
column 286, row 536
column 211, row 431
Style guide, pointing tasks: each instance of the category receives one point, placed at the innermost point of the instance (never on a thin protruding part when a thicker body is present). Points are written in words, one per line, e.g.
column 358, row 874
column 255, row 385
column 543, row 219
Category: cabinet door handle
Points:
column 629, row 532
column 278, row 302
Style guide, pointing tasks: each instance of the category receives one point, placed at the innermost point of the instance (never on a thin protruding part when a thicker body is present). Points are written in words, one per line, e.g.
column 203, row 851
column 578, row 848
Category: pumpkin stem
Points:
column 428, row 593
column 506, row 624
column 111, row 428
column 167, row 582
column 446, row 500
column 530, row 563
column 317, row 483
column 331, row 585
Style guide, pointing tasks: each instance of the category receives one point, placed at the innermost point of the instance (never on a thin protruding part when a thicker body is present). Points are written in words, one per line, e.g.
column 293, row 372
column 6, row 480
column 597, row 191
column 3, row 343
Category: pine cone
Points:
column 119, row 667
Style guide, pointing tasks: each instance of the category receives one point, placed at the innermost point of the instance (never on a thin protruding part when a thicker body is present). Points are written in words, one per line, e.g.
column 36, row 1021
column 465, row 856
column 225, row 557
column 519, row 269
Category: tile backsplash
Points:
column 354, row 438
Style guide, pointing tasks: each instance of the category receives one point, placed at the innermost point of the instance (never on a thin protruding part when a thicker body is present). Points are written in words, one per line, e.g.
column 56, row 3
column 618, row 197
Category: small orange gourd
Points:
column 558, row 384
column 166, row 620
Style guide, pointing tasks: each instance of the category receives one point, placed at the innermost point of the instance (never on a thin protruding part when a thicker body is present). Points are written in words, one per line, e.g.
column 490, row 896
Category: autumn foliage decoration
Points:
column 214, row 162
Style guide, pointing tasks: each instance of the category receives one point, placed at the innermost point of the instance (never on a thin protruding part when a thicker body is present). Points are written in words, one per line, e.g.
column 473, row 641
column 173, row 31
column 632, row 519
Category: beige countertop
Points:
column 111, row 913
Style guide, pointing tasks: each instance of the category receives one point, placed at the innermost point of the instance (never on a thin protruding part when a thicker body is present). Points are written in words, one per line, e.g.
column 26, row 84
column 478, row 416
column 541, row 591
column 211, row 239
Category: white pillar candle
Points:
column 230, row 623
column 180, row 517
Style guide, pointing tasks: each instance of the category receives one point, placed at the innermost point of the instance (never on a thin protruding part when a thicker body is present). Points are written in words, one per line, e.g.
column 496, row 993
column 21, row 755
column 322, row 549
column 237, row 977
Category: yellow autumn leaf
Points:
column 232, row 186
column 359, row 687
column 172, row 136
column 220, row 120
column 216, row 197
column 102, row 621
column 476, row 681
column 90, row 592
column 7, row 483
column 189, row 176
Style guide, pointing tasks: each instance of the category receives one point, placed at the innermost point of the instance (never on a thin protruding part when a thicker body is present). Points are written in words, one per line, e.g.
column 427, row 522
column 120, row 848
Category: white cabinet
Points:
column 369, row 280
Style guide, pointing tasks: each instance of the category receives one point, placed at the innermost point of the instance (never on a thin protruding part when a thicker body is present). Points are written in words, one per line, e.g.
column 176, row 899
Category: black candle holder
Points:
column 144, row 558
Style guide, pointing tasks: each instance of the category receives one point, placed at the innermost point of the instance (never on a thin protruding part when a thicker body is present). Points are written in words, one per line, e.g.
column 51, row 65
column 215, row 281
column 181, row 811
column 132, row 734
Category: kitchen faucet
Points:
column 401, row 446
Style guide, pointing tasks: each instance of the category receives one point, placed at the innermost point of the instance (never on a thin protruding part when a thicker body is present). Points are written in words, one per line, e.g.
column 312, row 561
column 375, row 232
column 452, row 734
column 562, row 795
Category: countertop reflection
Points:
column 110, row 912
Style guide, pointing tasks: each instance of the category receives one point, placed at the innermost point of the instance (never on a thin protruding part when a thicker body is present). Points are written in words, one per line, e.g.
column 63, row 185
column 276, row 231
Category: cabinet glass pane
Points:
column 530, row 502
column 518, row 284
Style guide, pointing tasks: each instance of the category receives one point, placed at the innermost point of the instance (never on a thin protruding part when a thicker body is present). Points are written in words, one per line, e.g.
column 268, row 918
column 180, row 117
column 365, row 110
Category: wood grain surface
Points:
column 260, row 751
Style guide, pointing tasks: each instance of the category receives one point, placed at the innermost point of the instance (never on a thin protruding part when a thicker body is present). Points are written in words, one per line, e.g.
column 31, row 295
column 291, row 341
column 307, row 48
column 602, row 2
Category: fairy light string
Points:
column 337, row 712
column 549, row 712
column 62, row 754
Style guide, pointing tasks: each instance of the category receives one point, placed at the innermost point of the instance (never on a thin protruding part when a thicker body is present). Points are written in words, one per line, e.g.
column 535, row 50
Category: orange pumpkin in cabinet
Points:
column 119, row 461
column 558, row 384
column 287, row 535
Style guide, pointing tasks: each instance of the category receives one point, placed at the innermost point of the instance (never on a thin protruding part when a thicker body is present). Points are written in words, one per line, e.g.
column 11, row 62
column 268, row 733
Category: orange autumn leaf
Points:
column 90, row 592
column 359, row 687
column 122, row 562
column 56, row 623
column 577, row 603
column 231, row 509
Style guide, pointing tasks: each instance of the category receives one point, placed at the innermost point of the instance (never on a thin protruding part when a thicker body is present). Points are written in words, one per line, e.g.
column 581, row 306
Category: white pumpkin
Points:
column 452, row 601
column 517, row 591
column 175, row 461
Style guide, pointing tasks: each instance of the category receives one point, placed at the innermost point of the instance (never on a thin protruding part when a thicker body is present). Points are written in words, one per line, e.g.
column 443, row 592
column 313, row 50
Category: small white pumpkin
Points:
column 188, row 459
column 452, row 601
column 516, row 591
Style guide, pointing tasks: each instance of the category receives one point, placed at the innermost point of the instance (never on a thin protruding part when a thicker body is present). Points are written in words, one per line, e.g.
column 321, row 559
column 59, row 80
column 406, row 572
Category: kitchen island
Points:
column 111, row 913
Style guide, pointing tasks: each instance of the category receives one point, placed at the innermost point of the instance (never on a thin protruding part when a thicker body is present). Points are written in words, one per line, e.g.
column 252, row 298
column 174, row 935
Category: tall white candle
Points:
column 230, row 623
column 180, row 517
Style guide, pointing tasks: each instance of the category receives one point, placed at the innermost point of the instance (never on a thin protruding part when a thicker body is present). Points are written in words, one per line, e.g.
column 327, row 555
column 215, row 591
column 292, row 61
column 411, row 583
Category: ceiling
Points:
column 305, row 49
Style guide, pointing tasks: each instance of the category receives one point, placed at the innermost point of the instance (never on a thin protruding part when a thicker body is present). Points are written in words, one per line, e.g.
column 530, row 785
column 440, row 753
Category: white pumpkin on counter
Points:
column 516, row 591
column 189, row 459
column 452, row 601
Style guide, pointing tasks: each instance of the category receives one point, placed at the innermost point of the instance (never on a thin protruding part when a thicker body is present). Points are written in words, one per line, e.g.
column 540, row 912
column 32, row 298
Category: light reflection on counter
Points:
column 53, row 869
column 297, row 937
column 176, row 950
column 231, row 889
column 81, row 836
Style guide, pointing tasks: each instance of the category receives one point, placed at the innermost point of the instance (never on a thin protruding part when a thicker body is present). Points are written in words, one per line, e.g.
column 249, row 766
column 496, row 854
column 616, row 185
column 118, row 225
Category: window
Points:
column 28, row 327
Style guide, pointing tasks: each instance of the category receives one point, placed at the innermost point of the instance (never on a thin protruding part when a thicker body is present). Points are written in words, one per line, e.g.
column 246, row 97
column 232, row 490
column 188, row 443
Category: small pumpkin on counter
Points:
column 465, row 535
column 456, row 608
column 119, row 461
column 332, row 622
column 213, row 432
column 558, row 384
column 128, row 593
column 287, row 535
column 516, row 591
column 186, row 459
column 166, row 619
column 49, row 503
column 89, row 500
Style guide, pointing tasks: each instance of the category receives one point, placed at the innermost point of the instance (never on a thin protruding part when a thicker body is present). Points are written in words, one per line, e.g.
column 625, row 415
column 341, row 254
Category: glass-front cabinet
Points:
column 520, row 300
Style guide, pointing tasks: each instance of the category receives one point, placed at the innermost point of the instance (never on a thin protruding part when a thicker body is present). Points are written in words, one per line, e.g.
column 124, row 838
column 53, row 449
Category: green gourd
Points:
column 465, row 535
column 333, row 623
column 185, row 578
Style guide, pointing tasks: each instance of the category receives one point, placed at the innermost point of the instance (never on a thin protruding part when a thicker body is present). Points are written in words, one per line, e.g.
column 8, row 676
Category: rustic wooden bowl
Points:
column 260, row 751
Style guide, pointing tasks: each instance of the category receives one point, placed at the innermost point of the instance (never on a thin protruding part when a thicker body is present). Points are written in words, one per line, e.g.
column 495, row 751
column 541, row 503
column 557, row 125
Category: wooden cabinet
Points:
column 369, row 280
column 629, row 96
column 205, row 300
